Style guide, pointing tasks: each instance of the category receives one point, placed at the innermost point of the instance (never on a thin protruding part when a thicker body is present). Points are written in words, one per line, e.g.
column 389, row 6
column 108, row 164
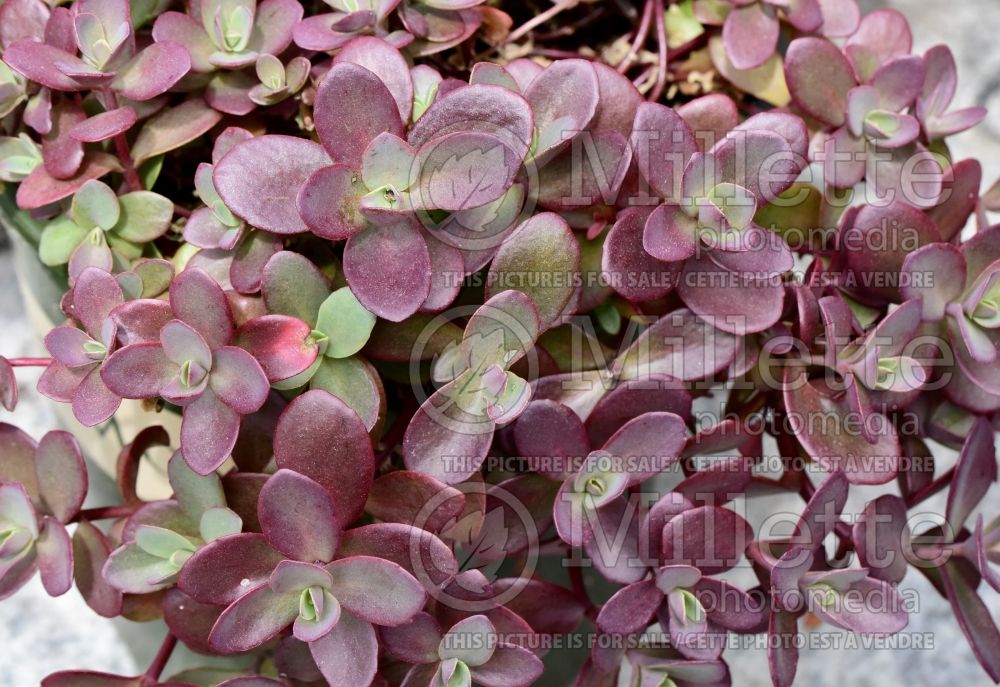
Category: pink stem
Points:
column 640, row 37
column 30, row 362
column 152, row 675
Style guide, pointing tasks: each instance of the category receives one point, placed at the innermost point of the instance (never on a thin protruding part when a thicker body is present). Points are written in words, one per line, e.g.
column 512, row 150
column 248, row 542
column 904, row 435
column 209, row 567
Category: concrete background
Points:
column 40, row 635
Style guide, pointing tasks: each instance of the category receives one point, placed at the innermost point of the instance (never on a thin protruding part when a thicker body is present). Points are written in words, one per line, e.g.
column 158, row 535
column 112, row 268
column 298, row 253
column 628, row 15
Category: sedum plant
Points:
column 486, row 329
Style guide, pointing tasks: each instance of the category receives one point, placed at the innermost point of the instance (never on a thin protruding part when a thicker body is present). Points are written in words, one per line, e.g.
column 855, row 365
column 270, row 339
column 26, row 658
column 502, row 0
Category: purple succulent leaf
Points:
column 319, row 436
column 152, row 71
column 819, row 79
column 400, row 597
column 208, row 432
column 139, row 370
column 281, row 344
column 471, row 640
column 414, row 642
column 881, row 36
column 653, row 440
column 557, row 118
column 552, row 439
column 935, row 258
column 630, row 399
column 389, row 269
column 251, row 255
column 59, row 453
column 899, row 82
column 387, row 63
column 278, row 167
column 975, row 472
column 40, row 189
column 297, row 576
column 959, row 198
column 198, row 300
column 238, row 380
column 881, row 224
column 489, row 74
column 174, row 127
column 679, row 345
column 348, row 654
column 140, row 321
column 713, row 115
column 447, row 262
column 709, row 538
column 327, row 610
column 631, row 609
column 52, row 67
column 22, row 19
column 670, row 234
column 105, row 125
column 441, row 427
column 488, row 109
column 625, row 256
column 86, row 678
column 851, row 451
column 329, row 202
column 273, row 25
column 215, row 573
column 59, row 382
column 402, row 496
column 297, row 517
column 462, row 170
column 881, row 536
column 759, row 306
column 750, row 33
column 90, row 551
column 418, row 552
column 782, row 652
column 974, row 618
column 840, row 17
column 67, row 345
column 182, row 343
column 740, row 611
column 353, row 107
column 55, row 557
column 663, row 143
column 253, row 619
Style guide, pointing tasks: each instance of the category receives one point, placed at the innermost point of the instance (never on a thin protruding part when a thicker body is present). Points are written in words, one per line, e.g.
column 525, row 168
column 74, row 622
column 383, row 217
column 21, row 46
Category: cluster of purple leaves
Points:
column 318, row 317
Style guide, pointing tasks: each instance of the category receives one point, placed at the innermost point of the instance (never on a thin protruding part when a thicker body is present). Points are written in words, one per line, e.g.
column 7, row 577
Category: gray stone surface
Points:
column 39, row 635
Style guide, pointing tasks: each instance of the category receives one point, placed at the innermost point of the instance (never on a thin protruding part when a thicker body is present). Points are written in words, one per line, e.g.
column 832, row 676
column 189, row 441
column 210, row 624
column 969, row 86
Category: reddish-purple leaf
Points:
column 319, row 436
column 348, row 654
column 260, row 178
column 353, row 106
column 389, row 269
column 215, row 574
column 298, row 517
column 400, row 595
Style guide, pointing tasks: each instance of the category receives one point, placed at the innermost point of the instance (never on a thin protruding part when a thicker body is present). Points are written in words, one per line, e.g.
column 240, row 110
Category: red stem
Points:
column 664, row 57
column 131, row 175
column 931, row 489
column 104, row 513
column 640, row 37
column 29, row 362
column 160, row 660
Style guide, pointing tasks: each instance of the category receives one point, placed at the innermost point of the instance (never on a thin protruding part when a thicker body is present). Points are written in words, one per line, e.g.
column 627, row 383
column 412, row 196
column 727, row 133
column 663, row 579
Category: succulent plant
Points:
column 482, row 324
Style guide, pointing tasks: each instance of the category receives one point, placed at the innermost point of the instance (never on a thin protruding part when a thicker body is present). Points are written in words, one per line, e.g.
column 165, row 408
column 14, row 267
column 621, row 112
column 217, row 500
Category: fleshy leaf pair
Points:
column 104, row 230
column 159, row 538
column 452, row 430
column 35, row 508
column 194, row 366
column 330, row 603
column 471, row 651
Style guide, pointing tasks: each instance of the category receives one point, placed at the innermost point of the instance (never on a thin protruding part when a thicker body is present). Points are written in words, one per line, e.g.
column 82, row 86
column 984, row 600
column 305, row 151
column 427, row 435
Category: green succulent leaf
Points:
column 345, row 322
column 219, row 522
column 59, row 239
column 95, row 205
column 145, row 216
